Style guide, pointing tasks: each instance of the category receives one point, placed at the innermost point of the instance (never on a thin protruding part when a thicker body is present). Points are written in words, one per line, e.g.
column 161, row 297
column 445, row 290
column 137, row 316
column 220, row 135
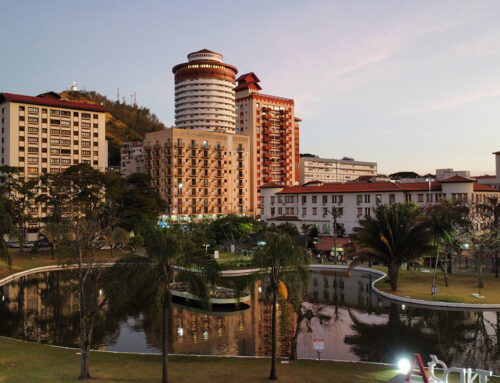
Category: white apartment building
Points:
column 330, row 170
column 45, row 134
column 313, row 203
column 132, row 158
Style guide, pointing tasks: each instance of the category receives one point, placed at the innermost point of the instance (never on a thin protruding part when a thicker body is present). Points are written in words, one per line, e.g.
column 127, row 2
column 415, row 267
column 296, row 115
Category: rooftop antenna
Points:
column 73, row 87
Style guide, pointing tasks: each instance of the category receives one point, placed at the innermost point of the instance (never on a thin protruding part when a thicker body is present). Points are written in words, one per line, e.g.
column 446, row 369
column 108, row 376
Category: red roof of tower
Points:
column 456, row 179
column 248, row 80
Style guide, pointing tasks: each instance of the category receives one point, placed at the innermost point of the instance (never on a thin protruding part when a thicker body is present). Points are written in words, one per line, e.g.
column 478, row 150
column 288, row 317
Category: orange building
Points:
column 273, row 129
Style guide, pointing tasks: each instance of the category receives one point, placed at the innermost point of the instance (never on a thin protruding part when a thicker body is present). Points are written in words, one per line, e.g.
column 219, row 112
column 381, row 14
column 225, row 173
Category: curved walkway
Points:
column 415, row 302
column 318, row 267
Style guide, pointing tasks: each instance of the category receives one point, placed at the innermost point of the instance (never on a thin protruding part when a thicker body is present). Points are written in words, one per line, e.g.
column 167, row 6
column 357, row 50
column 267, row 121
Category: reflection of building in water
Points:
column 42, row 302
column 245, row 332
column 338, row 287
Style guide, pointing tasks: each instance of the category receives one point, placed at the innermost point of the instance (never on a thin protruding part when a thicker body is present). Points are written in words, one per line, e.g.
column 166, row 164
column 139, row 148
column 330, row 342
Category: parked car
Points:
column 42, row 243
column 13, row 245
column 29, row 245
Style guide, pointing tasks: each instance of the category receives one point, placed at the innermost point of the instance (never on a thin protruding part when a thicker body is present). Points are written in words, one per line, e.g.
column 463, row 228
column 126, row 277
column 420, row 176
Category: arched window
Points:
column 326, row 228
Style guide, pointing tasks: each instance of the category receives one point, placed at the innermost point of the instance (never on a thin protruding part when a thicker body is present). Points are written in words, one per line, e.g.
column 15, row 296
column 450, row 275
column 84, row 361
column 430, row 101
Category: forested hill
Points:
column 123, row 122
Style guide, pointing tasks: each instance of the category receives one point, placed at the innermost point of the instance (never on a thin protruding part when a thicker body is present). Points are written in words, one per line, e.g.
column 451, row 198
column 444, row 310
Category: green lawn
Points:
column 28, row 260
column 27, row 362
column 417, row 285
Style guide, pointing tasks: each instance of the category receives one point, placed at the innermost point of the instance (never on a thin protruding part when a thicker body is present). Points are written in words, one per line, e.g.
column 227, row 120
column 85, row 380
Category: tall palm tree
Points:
column 392, row 236
column 278, row 261
column 490, row 210
column 170, row 254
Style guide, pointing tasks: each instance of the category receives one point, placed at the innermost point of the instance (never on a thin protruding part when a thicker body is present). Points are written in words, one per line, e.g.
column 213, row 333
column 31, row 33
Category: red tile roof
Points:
column 50, row 101
column 271, row 185
column 419, row 186
column 484, row 188
column 456, row 179
column 284, row 218
column 485, row 177
column 326, row 243
column 343, row 188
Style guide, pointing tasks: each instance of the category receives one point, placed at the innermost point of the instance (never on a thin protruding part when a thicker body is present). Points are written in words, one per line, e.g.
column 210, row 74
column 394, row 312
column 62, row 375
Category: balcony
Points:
column 266, row 124
column 267, row 163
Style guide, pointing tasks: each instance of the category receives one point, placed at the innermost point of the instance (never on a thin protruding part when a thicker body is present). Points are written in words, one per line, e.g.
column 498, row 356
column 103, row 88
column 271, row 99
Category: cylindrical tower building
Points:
column 204, row 93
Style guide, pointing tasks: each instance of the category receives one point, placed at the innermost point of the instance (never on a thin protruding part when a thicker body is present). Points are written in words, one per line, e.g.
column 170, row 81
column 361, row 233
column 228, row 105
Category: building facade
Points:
column 273, row 129
column 327, row 170
column 199, row 174
column 204, row 93
column 315, row 202
column 132, row 158
column 45, row 134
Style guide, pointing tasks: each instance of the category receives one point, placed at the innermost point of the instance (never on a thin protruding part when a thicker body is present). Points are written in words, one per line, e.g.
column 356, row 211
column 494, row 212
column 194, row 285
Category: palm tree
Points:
column 7, row 227
column 392, row 236
column 491, row 210
column 278, row 261
column 170, row 255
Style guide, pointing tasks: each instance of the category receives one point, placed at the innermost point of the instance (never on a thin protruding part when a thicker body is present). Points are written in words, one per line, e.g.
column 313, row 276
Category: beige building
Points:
column 327, row 170
column 132, row 158
column 45, row 134
column 273, row 129
column 199, row 174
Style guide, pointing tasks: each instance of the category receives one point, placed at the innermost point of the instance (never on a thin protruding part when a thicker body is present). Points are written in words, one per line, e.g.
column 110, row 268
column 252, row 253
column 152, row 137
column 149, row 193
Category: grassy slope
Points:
column 417, row 285
column 27, row 362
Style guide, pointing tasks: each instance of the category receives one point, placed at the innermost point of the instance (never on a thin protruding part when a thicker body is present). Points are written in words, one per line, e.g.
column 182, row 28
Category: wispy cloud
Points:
column 452, row 102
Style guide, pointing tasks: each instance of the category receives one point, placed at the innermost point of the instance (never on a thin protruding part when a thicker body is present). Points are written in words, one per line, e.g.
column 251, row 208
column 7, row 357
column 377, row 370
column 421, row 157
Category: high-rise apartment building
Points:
column 45, row 134
column 273, row 129
column 329, row 170
column 199, row 174
column 204, row 93
column 132, row 158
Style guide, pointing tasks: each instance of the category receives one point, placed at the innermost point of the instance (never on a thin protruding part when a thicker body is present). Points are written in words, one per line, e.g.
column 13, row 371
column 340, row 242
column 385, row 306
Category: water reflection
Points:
column 361, row 325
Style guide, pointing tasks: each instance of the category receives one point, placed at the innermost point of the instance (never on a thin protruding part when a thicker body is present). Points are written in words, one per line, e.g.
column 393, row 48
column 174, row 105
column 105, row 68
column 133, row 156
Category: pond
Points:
column 360, row 325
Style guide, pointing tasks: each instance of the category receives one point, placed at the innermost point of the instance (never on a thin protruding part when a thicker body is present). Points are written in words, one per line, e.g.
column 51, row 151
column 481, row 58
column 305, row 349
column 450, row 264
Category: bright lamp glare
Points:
column 404, row 366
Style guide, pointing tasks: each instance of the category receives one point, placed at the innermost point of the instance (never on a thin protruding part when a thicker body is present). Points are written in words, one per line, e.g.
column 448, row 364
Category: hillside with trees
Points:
column 124, row 122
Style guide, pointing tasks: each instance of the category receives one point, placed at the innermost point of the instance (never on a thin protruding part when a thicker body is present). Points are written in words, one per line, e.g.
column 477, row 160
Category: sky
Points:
column 412, row 85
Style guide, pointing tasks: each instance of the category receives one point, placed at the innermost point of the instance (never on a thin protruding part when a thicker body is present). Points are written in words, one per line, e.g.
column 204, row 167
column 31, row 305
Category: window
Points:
column 85, row 144
column 65, row 122
column 32, row 170
column 32, row 129
column 359, row 199
column 314, row 199
column 304, row 211
column 32, row 139
column 408, row 198
column 420, row 197
column 33, row 160
column 392, row 199
column 378, row 199
column 325, row 212
column 32, row 109
column 325, row 200
column 55, row 112
column 85, row 115
column 315, row 211
column 54, row 160
column 340, row 199
column 280, row 211
column 367, row 211
column 33, row 120
column 85, row 124
column 304, row 199
column 367, row 198
column 428, row 198
column 340, row 211
column 360, row 212
column 55, row 131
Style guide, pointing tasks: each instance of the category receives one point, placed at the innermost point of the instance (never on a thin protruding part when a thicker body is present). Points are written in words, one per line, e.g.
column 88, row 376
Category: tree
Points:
column 277, row 260
column 115, row 237
column 168, row 249
column 7, row 227
column 446, row 220
column 392, row 236
column 22, row 194
column 490, row 210
column 53, row 232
